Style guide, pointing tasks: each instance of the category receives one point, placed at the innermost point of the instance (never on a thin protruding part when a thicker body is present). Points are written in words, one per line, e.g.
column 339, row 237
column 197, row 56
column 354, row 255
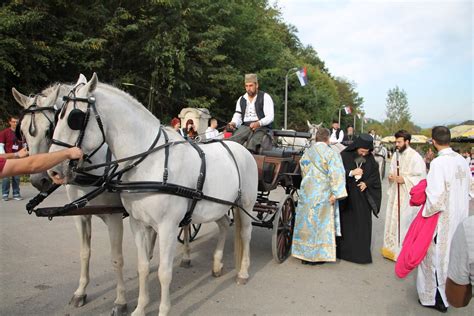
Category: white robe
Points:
column 413, row 170
column 447, row 191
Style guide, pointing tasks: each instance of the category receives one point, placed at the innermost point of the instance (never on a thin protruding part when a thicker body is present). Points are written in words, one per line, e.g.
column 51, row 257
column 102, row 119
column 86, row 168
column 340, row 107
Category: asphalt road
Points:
column 39, row 271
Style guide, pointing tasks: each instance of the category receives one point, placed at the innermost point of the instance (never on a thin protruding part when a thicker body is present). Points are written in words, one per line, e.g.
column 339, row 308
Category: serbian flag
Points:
column 302, row 76
column 348, row 109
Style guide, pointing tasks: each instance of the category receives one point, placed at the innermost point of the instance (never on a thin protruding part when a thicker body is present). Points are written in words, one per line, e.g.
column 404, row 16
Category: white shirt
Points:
column 250, row 114
column 213, row 133
column 333, row 139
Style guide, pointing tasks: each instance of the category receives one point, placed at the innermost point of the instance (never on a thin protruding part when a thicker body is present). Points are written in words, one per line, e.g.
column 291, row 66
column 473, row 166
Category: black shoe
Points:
column 438, row 306
column 312, row 263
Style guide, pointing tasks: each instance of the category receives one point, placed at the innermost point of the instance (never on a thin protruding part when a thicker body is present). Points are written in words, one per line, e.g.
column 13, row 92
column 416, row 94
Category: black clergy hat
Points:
column 365, row 141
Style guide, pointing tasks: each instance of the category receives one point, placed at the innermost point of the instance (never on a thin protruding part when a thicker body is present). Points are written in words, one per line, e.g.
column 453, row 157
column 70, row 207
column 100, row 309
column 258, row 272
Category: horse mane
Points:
column 49, row 89
column 131, row 100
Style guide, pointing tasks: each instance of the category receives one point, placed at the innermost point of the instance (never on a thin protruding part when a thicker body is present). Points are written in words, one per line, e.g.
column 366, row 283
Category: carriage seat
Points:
column 278, row 133
column 276, row 152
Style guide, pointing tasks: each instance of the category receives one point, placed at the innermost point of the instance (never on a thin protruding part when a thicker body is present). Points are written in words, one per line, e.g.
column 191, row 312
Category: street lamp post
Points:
column 286, row 95
column 150, row 90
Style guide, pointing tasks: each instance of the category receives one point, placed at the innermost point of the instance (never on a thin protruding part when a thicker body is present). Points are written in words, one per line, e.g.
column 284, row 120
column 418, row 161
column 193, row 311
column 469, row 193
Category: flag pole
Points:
column 285, row 125
column 398, row 194
column 355, row 121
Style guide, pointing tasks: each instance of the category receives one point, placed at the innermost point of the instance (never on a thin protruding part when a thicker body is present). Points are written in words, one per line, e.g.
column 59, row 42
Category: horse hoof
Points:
column 241, row 281
column 218, row 273
column 185, row 263
column 78, row 300
column 119, row 310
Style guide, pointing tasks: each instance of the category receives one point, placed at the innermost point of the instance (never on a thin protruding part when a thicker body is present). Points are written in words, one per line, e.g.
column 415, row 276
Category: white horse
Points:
column 313, row 129
column 130, row 129
column 39, row 141
column 380, row 155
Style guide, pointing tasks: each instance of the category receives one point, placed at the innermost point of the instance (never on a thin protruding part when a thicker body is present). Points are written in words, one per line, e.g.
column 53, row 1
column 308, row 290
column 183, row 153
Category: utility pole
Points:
column 285, row 125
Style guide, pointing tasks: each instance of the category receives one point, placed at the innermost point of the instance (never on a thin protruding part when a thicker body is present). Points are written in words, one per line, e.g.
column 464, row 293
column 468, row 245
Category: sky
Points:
column 423, row 47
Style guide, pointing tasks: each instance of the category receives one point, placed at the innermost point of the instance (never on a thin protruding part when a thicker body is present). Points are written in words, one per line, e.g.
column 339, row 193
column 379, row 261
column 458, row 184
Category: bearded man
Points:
column 364, row 197
column 407, row 168
column 254, row 113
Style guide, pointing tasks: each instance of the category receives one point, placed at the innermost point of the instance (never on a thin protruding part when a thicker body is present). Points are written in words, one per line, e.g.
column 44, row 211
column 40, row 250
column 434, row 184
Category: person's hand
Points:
column 362, row 186
column 332, row 199
column 57, row 180
column 391, row 177
column 255, row 125
column 74, row 153
column 399, row 179
column 231, row 125
column 22, row 153
column 357, row 172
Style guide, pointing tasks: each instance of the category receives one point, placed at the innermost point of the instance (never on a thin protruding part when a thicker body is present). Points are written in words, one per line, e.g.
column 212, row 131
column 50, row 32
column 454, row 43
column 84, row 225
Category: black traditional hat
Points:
column 363, row 141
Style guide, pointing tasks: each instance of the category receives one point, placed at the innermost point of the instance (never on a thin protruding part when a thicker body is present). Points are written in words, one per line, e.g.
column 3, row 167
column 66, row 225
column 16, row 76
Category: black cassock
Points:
column 356, row 210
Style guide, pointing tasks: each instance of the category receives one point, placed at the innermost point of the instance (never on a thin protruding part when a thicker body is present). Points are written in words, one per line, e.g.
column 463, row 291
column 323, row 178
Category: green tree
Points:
column 397, row 111
column 191, row 52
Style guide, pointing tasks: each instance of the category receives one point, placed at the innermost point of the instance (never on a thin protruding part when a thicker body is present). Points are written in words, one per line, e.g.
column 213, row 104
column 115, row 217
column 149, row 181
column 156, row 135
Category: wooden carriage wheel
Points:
column 193, row 231
column 283, row 225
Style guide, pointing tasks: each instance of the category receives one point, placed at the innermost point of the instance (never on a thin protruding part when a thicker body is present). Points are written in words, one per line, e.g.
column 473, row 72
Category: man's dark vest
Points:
column 258, row 105
column 338, row 131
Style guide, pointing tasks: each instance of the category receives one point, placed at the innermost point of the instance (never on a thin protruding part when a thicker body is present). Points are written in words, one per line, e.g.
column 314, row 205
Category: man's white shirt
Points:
column 333, row 139
column 212, row 133
column 250, row 114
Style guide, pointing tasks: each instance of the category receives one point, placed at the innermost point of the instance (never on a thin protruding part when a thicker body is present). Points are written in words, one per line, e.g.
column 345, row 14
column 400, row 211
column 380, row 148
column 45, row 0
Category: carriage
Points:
column 178, row 183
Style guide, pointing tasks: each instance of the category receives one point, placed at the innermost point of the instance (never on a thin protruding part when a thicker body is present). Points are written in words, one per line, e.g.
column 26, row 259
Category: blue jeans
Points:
column 15, row 180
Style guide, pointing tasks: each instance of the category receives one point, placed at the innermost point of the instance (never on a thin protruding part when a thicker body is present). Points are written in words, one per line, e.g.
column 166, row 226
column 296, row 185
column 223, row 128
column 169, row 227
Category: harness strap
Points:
column 200, row 184
column 167, row 153
column 34, row 202
column 120, row 173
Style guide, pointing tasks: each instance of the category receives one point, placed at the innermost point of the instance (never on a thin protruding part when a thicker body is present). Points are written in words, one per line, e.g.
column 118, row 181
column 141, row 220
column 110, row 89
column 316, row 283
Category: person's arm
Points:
column 39, row 163
column 337, row 177
column 436, row 193
column 19, row 154
column 458, row 295
column 458, row 283
column 268, row 110
column 238, row 115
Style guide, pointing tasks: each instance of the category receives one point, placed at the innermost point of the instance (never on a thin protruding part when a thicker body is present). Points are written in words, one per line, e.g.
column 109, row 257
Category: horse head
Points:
column 313, row 128
column 36, row 127
column 77, row 115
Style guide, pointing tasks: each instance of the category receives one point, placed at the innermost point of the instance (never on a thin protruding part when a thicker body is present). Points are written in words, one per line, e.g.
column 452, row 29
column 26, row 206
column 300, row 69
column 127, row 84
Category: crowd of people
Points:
column 340, row 192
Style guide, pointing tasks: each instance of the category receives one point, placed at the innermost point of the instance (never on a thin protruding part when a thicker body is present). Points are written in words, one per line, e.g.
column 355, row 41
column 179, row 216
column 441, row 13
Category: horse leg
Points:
column 167, row 243
column 186, row 261
column 83, row 226
column 243, row 232
column 223, row 224
column 142, row 235
column 114, row 224
column 152, row 239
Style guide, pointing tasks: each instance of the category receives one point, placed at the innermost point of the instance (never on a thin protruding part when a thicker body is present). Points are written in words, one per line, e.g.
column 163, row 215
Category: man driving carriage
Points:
column 253, row 115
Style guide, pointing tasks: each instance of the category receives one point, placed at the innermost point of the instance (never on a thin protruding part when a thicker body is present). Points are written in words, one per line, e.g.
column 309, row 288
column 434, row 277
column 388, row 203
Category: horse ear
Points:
column 81, row 80
column 309, row 124
column 92, row 84
column 52, row 97
column 320, row 124
column 22, row 99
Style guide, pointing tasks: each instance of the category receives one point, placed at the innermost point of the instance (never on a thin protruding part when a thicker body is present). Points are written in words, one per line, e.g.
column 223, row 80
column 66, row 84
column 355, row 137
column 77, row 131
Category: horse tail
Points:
column 238, row 244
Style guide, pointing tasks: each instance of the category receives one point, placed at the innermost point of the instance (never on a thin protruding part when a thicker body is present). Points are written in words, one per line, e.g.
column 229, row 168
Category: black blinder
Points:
column 18, row 134
column 75, row 120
